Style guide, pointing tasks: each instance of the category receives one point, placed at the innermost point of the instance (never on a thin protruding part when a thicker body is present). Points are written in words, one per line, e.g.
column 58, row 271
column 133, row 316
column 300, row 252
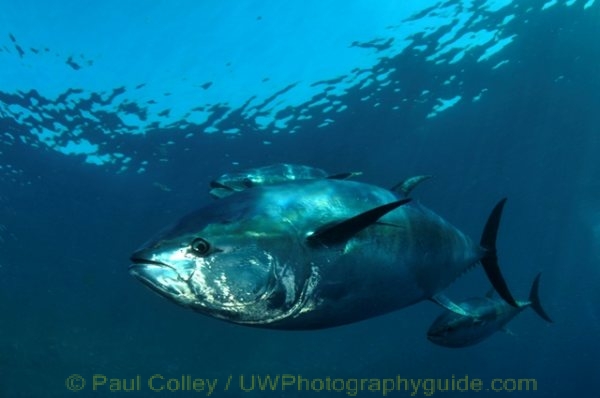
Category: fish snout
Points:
column 143, row 256
column 160, row 278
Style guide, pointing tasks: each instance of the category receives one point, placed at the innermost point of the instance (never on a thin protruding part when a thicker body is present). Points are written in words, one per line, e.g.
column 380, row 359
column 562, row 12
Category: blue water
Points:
column 115, row 117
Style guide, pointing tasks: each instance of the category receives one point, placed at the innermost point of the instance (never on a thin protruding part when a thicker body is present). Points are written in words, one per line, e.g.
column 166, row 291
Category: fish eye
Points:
column 200, row 247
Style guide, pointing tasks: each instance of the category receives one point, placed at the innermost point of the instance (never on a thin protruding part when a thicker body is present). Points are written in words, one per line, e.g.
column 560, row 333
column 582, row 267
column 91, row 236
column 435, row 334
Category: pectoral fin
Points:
column 342, row 231
column 344, row 176
column 450, row 305
column 405, row 187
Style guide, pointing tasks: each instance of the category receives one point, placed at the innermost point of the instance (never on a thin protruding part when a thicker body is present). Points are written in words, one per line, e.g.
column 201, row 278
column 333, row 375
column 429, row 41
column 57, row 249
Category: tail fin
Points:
column 534, row 299
column 490, row 259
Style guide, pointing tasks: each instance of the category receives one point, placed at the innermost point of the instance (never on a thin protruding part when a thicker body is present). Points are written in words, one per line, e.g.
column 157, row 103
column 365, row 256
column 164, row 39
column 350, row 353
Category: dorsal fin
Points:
column 344, row 230
column 405, row 187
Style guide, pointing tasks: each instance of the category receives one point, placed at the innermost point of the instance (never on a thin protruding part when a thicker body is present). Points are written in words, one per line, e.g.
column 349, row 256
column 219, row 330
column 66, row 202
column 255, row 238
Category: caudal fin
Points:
column 490, row 259
column 534, row 299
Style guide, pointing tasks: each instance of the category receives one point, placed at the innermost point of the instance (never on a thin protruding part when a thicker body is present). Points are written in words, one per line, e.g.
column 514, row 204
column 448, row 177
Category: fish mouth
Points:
column 216, row 184
column 138, row 261
column 136, row 270
column 219, row 190
column 162, row 279
column 434, row 338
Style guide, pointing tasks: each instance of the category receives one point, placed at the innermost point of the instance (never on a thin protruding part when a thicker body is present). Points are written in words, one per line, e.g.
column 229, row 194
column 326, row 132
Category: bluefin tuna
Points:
column 230, row 183
column 485, row 316
column 312, row 254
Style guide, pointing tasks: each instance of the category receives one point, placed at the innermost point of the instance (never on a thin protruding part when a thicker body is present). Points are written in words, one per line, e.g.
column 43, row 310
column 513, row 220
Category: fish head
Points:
column 228, row 260
column 453, row 330
column 228, row 184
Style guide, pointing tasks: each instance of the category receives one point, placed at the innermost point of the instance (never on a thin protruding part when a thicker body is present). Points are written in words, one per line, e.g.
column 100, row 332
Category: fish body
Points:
column 311, row 254
column 486, row 316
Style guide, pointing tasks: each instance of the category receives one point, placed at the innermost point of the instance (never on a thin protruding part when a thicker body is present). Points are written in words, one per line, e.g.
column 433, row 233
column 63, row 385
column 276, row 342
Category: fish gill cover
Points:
column 120, row 75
